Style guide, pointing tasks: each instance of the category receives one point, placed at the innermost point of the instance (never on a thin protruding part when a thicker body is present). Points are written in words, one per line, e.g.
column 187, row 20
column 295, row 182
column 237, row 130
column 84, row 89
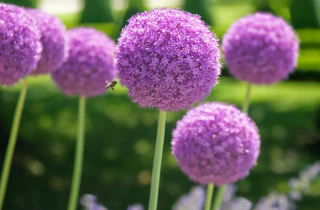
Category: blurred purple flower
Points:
column 275, row 201
column 168, row 59
column 194, row 200
column 237, row 204
column 89, row 202
column 135, row 207
column 261, row 49
column 53, row 40
column 20, row 45
column 302, row 184
column 216, row 143
column 89, row 65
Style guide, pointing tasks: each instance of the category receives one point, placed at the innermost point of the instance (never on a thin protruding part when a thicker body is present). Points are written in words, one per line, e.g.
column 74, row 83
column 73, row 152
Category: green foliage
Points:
column 303, row 14
column 135, row 6
column 96, row 11
column 263, row 5
column 200, row 7
column 24, row 3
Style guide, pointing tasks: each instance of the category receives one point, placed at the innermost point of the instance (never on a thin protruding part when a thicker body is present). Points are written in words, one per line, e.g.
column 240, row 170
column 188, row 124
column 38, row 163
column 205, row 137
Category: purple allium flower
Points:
column 238, row 203
column 194, row 200
column 89, row 65
column 301, row 185
column 168, row 59
column 53, row 40
column 261, row 49
column 135, row 207
column 216, row 143
column 275, row 201
column 89, row 202
column 20, row 46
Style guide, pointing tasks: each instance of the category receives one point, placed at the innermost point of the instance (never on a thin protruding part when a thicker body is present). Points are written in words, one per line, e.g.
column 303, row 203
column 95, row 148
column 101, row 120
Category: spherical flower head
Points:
column 20, row 45
column 168, row 59
column 261, row 49
column 89, row 65
column 216, row 143
column 53, row 40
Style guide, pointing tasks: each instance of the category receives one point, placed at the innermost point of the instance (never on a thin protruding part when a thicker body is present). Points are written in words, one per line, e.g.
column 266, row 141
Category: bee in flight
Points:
column 111, row 85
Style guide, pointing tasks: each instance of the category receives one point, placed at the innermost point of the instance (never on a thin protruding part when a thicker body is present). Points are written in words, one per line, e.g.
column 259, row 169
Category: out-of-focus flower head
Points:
column 89, row 65
column 194, row 200
column 261, row 48
column 301, row 185
column 168, row 59
column 216, row 143
column 238, row 203
column 53, row 40
column 135, row 207
column 275, row 201
column 89, row 202
column 20, row 46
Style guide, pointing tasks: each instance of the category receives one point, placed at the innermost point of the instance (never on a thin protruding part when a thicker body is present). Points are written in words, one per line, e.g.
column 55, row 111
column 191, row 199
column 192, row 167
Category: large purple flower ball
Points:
column 20, row 46
column 168, row 59
column 53, row 40
column 261, row 49
column 89, row 65
column 216, row 143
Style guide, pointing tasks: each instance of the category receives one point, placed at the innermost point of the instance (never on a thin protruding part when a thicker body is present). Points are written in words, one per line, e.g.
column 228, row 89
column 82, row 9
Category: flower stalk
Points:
column 219, row 197
column 210, row 189
column 78, row 162
column 12, row 142
column 153, row 200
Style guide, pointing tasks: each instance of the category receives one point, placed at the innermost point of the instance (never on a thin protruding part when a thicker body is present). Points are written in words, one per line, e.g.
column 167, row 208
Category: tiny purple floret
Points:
column 216, row 143
column 20, row 46
column 261, row 49
column 168, row 59
column 53, row 40
column 89, row 65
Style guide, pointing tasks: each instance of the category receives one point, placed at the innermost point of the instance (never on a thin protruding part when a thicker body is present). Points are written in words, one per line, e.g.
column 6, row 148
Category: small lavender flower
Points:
column 237, row 204
column 89, row 202
column 216, row 143
column 135, row 207
column 229, row 193
column 168, row 59
column 194, row 200
column 20, row 45
column 261, row 49
column 275, row 201
column 53, row 40
column 302, row 184
column 89, row 65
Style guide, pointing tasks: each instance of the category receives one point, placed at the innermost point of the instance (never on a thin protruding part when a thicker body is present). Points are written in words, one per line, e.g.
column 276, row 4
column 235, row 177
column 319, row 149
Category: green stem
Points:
column 219, row 197
column 12, row 142
column 246, row 102
column 78, row 161
column 157, row 162
column 209, row 196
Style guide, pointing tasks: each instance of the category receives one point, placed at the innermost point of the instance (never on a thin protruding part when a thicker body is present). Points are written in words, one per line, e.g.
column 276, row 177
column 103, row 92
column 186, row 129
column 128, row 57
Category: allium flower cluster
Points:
column 194, row 200
column 89, row 202
column 168, row 59
column 261, row 49
column 89, row 65
column 301, row 185
column 53, row 40
column 216, row 143
column 135, row 207
column 275, row 201
column 20, row 45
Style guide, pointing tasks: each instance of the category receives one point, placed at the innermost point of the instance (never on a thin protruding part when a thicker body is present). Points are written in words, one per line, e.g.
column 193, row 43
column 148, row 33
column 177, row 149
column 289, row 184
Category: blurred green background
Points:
column 120, row 136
